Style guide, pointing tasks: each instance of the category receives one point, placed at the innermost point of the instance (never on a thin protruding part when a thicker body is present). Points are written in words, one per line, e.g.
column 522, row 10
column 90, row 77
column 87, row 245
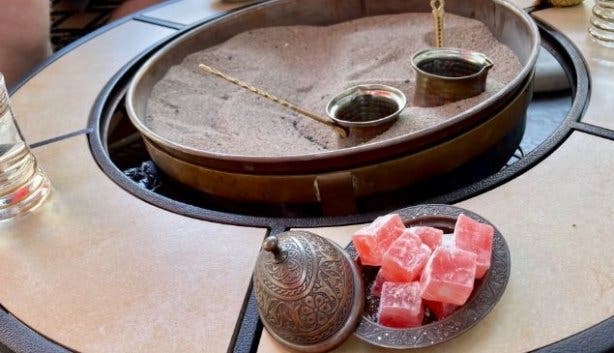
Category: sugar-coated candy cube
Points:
column 439, row 309
column 366, row 246
column 405, row 259
column 447, row 240
column 387, row 229
column 400, row 305
column 373, row 240
column 448, row 276
column 477, row 237
column 378, row 283
column 429, row 236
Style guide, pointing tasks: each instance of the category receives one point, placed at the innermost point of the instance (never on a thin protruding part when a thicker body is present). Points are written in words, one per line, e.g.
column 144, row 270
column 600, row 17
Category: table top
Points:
column 98, row 270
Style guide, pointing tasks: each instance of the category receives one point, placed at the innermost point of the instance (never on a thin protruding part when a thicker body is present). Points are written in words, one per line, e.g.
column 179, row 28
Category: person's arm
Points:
column 24, row 36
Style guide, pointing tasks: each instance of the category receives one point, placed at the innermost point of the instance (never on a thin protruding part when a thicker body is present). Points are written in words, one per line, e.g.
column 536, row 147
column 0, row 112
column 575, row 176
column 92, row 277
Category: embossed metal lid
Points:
column 309, row 291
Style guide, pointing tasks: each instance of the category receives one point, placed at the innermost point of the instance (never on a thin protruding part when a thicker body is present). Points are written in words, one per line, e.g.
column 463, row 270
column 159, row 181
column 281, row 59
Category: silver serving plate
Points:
column 485, row 296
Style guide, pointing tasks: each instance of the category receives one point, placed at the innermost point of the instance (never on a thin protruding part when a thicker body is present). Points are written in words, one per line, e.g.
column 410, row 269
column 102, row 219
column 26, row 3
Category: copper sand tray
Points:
column 342, row 187
column 485, row 296
column 311, row 177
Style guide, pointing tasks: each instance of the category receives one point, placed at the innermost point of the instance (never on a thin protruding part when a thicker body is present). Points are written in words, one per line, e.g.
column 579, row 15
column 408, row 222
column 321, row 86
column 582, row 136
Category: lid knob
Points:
column 271, row 244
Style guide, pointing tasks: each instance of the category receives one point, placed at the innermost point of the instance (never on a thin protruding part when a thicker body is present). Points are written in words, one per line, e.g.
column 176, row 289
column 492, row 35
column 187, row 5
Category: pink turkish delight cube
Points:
column 447, row 240
column 439, row 309
column 401, row 305
column 448, row 276
column 372, row 241
column 429, row 236
column 378, row 283
column 366, row 246
column 405, row 259
column 387, row 229
column 477, row 237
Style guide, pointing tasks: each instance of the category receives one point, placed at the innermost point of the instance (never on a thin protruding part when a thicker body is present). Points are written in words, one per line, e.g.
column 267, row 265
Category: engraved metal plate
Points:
column 485, row 296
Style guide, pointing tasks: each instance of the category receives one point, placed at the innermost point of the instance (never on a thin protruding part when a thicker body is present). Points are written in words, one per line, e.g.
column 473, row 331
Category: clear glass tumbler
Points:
column 23, row 186
column 602, row 22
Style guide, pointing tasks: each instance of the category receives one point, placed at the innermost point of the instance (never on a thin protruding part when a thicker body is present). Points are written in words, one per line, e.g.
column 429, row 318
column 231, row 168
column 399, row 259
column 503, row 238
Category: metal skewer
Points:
column 338, row 129
column 438, row 12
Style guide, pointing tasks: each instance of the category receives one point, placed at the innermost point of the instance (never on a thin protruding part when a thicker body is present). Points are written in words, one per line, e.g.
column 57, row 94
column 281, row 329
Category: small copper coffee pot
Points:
column 445, row 75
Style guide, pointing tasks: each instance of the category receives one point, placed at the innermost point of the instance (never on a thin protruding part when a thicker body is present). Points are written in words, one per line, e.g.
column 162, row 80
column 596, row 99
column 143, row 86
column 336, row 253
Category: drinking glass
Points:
column 602, row 22
column 23, row 186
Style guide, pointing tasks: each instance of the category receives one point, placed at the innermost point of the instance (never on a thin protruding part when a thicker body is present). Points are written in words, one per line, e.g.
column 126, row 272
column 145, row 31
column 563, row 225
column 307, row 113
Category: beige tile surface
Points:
column 525, row 4
column 100, row 271
column 58, row 100
column 557, row 220
column 189, row 11
column 574, row 23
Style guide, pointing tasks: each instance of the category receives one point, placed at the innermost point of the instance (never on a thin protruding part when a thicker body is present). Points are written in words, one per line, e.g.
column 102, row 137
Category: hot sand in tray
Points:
column 308, row 65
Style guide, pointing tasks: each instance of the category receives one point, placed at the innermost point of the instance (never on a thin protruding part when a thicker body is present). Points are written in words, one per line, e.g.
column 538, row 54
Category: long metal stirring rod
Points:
column 338, row 129
column 438, row 11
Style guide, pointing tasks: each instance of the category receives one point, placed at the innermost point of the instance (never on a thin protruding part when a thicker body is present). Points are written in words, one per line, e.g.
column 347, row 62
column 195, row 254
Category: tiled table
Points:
column 98, row 270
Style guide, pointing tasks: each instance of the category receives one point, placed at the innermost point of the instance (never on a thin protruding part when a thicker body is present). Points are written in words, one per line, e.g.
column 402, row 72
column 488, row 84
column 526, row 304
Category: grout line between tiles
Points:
column 249, row 327
column 593, row 130
column 159, row 22
column 60, row 138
